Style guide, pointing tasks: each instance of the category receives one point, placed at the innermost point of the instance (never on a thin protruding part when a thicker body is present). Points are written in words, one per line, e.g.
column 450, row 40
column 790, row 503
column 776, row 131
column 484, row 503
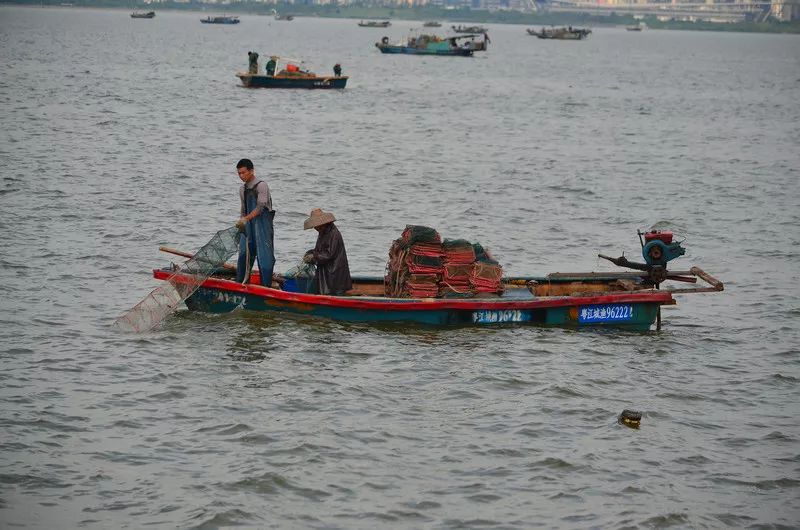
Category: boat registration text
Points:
column 605, row 313
column 497, row 317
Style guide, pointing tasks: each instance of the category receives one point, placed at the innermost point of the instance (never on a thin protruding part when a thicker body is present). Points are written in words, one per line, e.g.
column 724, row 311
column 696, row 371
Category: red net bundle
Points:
column 415, row 264
column 424, row 258
column 420, row 234
column 458, row 258
column 486, row 278
column 421, row 266
column 458, row 251
column 487, row 273
column 422, row 285
column 396, row 271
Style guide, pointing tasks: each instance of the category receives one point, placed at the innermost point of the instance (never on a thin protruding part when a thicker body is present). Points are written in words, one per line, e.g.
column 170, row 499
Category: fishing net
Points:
column 300, row 278
column 420, row 234
column 301, row 270
column 181, row 284
column 421, row 265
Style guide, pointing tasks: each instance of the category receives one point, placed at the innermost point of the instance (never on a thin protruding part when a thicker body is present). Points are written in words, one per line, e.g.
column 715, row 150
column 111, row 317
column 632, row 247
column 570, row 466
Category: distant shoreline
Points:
column 428, row 13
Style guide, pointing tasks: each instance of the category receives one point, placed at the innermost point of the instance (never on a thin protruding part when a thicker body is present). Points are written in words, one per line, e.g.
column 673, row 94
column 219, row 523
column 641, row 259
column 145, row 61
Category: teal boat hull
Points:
column 635, row 311
column 407, row 50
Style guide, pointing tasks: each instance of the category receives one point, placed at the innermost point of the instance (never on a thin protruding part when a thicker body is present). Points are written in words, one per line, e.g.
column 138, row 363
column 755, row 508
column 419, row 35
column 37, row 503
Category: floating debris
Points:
column 630, row 418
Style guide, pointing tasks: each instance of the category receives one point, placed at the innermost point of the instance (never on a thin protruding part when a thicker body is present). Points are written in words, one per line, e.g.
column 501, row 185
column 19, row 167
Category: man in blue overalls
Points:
column 256, row 223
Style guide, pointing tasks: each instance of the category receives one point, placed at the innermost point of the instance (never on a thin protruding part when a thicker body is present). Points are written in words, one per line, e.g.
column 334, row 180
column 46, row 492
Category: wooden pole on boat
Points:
column 658, row 315
column 706, row 277
column 275, row 277
column 189, row 255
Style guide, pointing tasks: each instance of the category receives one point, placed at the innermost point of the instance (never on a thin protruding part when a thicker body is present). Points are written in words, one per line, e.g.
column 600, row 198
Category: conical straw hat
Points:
column 318, row 218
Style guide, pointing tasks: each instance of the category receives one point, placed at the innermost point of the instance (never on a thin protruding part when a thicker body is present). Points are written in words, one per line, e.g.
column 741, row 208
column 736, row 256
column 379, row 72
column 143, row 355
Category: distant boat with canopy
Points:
column 568, row 33
column 426, row 44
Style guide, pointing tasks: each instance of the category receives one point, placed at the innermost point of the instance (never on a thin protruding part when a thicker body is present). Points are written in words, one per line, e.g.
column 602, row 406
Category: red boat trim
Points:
column 426, row 304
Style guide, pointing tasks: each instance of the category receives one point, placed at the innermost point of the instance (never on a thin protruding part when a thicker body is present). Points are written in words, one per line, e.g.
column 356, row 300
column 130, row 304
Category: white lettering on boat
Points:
column 498, row 317
column 605, row 313
column 229, row 298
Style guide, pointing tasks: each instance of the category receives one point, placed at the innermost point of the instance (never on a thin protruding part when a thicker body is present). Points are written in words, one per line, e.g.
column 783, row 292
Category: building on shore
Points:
column 785, row 10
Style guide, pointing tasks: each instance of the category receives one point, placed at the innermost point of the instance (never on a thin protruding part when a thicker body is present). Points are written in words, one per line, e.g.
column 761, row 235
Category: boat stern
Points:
column 246, row 79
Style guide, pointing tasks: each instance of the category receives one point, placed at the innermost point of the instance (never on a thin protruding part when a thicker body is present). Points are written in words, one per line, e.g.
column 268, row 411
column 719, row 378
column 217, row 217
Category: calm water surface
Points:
column 120, row 135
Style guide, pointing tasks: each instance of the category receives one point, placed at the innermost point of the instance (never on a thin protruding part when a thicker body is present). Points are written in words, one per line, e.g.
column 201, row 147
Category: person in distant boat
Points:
column 337, row 70
column 270, row 66
column 256, row 218
column 329, row 255
column 252, row 58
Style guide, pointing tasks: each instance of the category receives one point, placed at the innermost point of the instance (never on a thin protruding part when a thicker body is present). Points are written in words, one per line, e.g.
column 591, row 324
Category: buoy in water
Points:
column 630, row 418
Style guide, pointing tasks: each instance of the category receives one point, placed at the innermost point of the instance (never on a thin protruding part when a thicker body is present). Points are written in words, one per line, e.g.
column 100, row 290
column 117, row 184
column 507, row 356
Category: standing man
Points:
column 256, row 223
column 270, row 66
column 329, row 255
column 252, row 58
column 337, row 70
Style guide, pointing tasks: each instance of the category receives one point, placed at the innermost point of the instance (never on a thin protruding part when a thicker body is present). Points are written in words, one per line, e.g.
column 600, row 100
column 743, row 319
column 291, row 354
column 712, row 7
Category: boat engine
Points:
column 658, row 249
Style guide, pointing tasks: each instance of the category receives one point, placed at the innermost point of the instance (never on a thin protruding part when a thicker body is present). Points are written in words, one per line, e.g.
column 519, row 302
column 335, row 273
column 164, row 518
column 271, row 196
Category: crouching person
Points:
column 329, row 255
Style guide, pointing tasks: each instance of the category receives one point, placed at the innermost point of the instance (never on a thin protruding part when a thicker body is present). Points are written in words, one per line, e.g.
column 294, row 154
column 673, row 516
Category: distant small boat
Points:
column 464, row 45
column 432, row 24
column 469, row 29
column 569, row 33
column 375, row 24
column 637, row 27
column 149, row 14
column 220, row 20
column 291, row 76
column 287, row 18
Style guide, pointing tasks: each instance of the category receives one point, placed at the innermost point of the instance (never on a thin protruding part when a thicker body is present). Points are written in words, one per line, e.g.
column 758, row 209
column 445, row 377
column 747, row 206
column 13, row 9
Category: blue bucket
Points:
column 297, row 285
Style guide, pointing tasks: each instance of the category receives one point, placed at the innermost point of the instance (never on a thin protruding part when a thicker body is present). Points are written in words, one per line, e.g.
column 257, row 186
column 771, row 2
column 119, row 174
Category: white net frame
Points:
column 181, row 284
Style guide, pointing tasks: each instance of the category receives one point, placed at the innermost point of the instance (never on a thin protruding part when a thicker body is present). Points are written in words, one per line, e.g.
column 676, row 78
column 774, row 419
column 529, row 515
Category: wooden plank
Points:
column 715, row 283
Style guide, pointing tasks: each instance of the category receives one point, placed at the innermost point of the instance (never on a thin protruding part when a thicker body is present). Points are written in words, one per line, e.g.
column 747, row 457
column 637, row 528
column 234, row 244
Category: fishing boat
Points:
column 468, row 29
column 222, row 19
column 637, row 27
column 285, row 18
column 432, row 24
column 462, row 45
column 375, row 24
column 568, row 33
column 291, row 75
column 149, row 14
column 628, row 300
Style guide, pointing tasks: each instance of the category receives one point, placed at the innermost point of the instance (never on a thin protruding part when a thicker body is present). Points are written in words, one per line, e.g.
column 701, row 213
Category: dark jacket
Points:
column 330, row 257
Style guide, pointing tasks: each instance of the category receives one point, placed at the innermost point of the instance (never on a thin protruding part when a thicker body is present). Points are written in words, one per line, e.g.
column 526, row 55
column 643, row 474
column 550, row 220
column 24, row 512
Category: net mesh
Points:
column 181, row 284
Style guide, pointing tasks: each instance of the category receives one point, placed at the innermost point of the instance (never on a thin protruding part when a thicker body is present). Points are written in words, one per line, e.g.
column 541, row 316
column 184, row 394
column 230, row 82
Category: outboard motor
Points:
column 658, row 249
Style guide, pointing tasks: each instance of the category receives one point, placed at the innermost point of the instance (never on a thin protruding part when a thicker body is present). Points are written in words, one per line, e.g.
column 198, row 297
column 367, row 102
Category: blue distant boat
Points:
column 220, row 20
